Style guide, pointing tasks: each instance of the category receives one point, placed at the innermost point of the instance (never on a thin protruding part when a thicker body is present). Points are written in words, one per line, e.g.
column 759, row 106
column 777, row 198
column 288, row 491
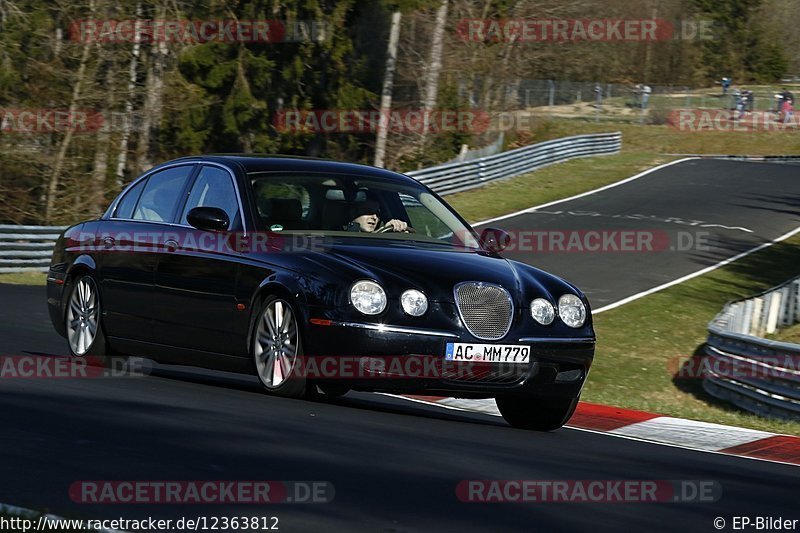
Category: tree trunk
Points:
column 100, row 167
column 122, row 156
column 434, row 67
column 153, row 105
column 386, row 93
column 55, row 176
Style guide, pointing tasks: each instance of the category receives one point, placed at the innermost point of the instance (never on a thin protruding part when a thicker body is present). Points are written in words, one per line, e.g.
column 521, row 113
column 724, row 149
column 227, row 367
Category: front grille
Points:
column 485, row 309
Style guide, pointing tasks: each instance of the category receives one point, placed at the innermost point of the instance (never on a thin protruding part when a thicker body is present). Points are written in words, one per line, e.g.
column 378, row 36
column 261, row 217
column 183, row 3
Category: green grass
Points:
column 642, row 344
column 643, row 147
column 551, row 183
column 24, row 278
column 790, row 334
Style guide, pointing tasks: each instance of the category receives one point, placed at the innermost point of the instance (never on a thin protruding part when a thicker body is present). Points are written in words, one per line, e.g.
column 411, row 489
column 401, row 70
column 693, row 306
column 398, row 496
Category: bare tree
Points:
column 77, row 89
column 388, row 86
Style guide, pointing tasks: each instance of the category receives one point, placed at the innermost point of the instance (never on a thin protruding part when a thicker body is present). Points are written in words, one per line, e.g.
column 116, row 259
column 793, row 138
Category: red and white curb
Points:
column 666, row 430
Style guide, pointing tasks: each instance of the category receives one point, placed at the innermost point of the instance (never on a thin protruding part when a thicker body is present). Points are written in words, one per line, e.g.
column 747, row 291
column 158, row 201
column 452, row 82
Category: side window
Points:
column 162, row 194
column 422, row 219
column 213, row 188
column 267, row 191
column 128, row 202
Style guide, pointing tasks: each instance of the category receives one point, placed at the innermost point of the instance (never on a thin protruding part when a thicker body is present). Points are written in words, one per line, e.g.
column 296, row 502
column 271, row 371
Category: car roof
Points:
column 252, row 163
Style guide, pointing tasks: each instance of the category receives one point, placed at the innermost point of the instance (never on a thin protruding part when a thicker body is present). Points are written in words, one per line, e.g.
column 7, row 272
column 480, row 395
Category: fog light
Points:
column 414, row 302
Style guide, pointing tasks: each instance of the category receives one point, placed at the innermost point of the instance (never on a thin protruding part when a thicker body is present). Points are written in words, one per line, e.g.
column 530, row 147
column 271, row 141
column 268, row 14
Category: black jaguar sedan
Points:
column 320, row 277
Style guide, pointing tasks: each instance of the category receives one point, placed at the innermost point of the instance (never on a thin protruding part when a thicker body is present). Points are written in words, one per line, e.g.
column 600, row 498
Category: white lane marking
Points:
column 649, row 218
column 727, row 227
column 594, row 191
column 691, row 433
column 605, row 433
column 696, row 274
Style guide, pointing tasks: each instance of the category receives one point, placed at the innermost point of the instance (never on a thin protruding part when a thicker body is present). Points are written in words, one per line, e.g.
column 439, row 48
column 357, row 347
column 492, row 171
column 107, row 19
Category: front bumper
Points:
column 411, row 360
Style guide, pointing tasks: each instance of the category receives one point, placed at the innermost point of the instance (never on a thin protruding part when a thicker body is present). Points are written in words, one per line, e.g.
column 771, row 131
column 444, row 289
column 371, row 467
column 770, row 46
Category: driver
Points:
column 365, row 217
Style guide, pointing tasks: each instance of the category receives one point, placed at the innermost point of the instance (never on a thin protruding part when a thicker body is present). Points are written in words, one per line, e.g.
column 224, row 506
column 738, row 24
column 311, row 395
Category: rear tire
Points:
column 545, row 414
column 277, row 348
column 82, row 320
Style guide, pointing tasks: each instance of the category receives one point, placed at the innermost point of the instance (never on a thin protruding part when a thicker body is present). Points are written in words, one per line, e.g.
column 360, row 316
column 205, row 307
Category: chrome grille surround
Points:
column 485, row 309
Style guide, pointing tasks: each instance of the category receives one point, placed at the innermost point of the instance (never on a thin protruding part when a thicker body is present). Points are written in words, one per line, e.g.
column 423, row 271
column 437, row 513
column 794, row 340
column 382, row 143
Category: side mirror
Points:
column 209, row 219
column 495, row 239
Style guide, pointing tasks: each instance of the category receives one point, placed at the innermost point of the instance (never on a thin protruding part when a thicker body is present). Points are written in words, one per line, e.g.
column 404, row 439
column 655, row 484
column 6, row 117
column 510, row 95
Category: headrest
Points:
column 286, row 210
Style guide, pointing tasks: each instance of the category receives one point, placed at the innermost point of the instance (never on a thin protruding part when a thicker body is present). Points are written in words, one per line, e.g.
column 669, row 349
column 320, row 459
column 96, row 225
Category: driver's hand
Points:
column 395, row 225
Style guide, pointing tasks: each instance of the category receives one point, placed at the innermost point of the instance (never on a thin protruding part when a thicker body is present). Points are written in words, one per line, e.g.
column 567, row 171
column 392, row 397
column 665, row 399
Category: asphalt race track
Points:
column 692, row 215
column 395, row 464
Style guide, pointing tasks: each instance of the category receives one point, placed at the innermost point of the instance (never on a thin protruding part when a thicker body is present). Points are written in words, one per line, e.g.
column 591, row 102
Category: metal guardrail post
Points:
column 27, row 248
column 458, row 177
column 756, row 374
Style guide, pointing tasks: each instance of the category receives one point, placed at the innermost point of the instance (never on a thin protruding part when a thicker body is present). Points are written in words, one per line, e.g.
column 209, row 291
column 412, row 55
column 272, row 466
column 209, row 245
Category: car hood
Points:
column 433, row 269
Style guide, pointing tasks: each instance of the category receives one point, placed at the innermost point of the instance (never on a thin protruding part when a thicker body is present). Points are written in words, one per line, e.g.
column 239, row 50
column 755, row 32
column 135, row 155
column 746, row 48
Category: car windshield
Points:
column 346, row 206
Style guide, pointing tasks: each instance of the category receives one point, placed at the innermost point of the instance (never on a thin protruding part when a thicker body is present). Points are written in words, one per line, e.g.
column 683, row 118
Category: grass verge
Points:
column 643, row 147
column 24, row 278
column 642, row 344
column 551, row 183
column 790, row 334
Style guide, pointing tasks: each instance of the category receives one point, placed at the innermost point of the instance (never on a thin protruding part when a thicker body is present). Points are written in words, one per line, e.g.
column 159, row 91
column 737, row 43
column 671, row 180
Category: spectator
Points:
column 637, row 95
column 646, row 90
column 726, row 84
column 788, row 112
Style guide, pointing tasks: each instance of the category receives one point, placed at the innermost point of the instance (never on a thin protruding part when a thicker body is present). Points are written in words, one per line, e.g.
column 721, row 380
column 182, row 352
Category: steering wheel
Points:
column 386, row 229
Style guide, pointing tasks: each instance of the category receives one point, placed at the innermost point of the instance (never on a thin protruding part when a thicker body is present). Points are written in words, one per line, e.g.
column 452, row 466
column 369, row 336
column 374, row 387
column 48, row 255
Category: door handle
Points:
column 109, row 242
column 171, row 245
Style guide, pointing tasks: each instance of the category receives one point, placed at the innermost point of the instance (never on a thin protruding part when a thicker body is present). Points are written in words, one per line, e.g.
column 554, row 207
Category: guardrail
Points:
column 27, row 248
column 457, row 177
column 763, row 375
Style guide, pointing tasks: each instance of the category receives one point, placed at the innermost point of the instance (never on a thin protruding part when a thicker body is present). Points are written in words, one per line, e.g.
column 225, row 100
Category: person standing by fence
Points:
column 788, row 112
column 646, row 91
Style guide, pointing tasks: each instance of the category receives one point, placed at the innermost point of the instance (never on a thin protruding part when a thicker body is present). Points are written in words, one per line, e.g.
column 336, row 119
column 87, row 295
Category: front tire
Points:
column 545, row 414
column 85, row 336
column 277, row 349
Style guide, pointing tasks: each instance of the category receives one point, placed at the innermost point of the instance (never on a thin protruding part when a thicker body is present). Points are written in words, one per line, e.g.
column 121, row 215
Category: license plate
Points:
column 487, row 353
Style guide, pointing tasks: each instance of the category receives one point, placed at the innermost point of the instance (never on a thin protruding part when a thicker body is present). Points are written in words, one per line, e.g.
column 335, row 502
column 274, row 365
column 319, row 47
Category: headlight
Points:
column 414, row 302
column 571, row 310
column 542, row 311
column 368, row 297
